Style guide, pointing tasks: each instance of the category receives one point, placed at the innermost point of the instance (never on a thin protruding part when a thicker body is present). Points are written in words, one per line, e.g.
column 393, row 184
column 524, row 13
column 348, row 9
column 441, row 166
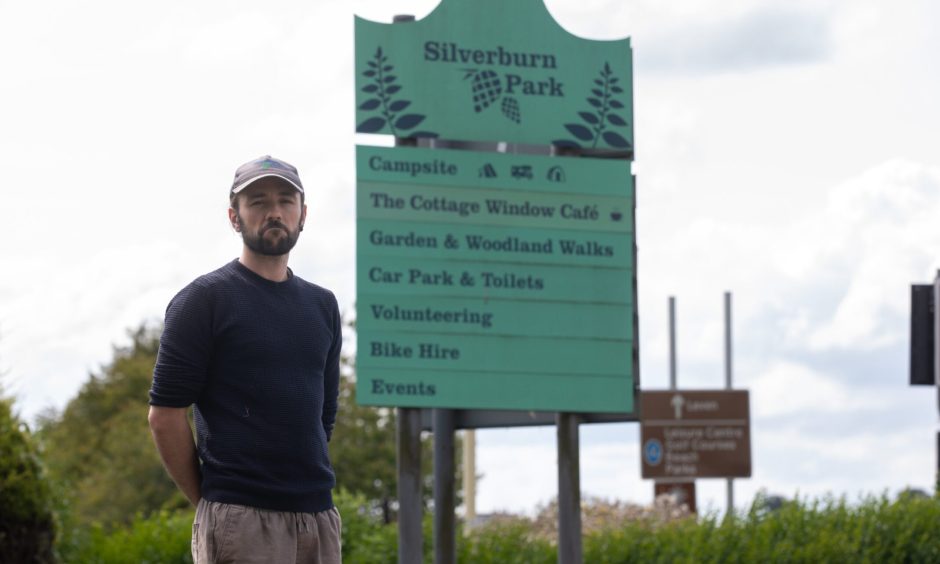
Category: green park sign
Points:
column 494, row 281
column 494, row 70
column 491, row 280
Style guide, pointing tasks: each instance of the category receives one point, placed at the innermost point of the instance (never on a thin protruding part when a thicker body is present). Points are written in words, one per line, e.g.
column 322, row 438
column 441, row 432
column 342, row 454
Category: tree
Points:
column 99, row 448
column 363, row 448
column 100, row 454
column 27, row 526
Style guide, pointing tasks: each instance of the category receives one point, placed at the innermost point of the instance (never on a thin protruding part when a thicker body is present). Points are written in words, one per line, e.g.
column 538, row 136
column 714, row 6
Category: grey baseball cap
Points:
column 263, row 167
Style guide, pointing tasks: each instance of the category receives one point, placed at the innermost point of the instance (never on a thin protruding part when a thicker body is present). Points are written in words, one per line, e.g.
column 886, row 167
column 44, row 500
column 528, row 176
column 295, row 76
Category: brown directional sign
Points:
column 695, row 434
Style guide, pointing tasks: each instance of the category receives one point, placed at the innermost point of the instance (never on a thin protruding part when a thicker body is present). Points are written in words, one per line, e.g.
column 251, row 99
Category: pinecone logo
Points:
column 511, row 109
column 486, row 89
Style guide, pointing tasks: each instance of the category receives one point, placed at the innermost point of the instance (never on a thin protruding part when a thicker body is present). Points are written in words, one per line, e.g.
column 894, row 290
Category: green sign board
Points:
column 494, row 281
column 493, row 70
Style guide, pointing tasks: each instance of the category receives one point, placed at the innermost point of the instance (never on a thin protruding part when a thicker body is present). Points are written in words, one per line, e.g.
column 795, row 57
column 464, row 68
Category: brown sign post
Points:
column 695, row 434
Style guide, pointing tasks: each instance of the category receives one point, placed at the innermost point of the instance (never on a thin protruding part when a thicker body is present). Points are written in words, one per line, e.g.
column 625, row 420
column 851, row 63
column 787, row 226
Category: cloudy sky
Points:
column 785, row 151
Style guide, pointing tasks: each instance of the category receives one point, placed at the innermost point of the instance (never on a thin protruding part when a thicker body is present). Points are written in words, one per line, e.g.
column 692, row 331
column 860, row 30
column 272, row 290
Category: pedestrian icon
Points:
column 556, row 174
column 487, row 171
column 653, row 452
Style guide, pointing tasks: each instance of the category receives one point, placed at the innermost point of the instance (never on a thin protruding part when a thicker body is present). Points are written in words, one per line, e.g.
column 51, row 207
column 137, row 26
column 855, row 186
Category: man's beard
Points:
column 257, row 243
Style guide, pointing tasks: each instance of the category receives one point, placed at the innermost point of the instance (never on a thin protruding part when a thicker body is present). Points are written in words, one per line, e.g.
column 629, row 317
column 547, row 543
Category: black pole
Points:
column 445, row 529
column 410, row 539
column 569, row 490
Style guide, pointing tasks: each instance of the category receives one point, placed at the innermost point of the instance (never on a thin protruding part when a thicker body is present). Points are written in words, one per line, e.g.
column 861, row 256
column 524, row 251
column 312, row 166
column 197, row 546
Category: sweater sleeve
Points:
column 185, row 349
column 331, row 373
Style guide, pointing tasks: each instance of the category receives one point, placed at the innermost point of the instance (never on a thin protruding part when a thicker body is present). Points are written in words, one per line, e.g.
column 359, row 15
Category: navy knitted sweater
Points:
column 260, row 360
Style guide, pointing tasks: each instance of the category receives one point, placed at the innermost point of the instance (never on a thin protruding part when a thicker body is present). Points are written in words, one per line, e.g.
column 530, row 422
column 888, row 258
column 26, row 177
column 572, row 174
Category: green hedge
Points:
column 27, row 526
column 161, row 538
column 831, row 530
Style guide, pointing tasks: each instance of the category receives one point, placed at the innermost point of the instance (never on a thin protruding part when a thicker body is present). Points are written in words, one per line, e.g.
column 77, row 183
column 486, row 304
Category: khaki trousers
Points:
column 236, row 534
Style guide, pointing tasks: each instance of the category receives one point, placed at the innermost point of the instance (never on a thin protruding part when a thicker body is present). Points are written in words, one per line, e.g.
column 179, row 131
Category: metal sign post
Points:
column 728, row 386
column 936, row 334
column 445, row 522
column 685, row 487
column 569, row 490
column 936, row 360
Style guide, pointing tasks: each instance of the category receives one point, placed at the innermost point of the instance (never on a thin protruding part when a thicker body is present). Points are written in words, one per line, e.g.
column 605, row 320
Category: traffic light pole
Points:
column 728, row 384
column 936, row 333
column 936, row 364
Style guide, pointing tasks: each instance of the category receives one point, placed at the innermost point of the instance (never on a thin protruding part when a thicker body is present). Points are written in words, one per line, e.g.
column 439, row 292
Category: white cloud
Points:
column 787, row 388
column 876, row 235
column 516, row 477
column 763, row 36
column 236, row 43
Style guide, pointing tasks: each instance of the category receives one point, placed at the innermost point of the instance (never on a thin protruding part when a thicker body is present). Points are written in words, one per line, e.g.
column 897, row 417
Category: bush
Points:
column 830, row 530
column 163, row 537
column 27, row 527
column 366, row 539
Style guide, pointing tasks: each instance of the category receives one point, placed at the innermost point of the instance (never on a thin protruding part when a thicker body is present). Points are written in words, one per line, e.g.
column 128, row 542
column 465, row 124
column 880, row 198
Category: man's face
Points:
column 269, row 216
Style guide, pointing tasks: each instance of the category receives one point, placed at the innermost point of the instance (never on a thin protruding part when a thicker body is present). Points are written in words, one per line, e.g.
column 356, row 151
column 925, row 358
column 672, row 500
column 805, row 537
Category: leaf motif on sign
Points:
column 399, row 105
column 615, row 140
column 579, row 131
column 408, row 121
column 382, row 87
column 616, row 119
column 371, row 125
column 589, row 117
column 603, row 119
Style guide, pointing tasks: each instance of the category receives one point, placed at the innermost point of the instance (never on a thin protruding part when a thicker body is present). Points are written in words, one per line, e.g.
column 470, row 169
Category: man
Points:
column 256, row 349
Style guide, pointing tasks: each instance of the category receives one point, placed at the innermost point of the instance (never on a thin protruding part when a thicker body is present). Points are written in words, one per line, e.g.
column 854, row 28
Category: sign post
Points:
column 496, row 287
column 728, row 384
